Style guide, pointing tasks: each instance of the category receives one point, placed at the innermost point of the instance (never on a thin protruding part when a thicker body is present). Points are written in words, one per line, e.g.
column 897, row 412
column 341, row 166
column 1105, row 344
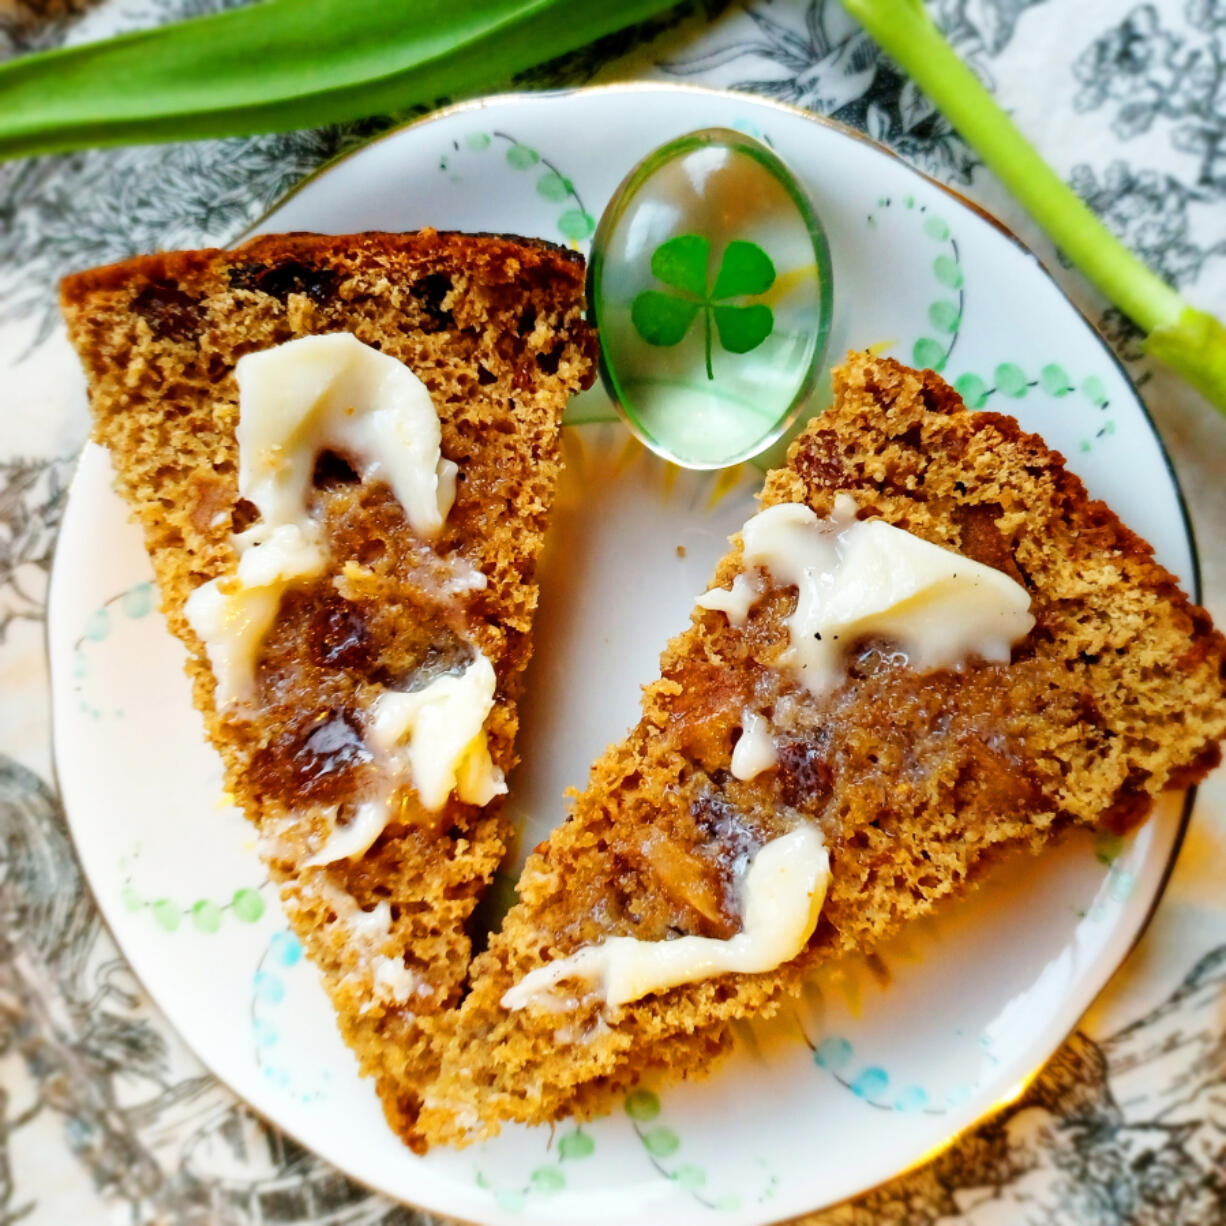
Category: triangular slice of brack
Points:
column 343, row 452
column 928, row 647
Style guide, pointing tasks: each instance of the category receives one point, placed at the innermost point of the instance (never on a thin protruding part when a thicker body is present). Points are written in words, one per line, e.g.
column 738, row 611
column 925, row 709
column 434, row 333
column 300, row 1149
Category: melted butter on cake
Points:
column 297, row 400
column 782, row 893
column 861, row 578
column 433, row 738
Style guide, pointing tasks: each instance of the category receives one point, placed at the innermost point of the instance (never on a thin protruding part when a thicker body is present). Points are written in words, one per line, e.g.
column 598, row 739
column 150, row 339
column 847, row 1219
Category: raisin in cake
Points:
column 908, row 780
column 493, row 328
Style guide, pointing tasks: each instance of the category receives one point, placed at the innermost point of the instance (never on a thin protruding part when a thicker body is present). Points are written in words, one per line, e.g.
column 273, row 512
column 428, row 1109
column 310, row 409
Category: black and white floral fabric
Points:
column 104, row 1116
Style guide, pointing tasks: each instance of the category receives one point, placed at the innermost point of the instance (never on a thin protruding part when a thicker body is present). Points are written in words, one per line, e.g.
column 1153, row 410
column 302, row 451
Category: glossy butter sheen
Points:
column 781, row 897
column 295, row 401
column 857, row 579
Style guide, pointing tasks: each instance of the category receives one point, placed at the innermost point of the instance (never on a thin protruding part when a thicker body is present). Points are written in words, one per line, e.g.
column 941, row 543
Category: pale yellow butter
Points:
column 736, row 601
column 781, row 897
column 856, row 579
column 332, row 391
column 755, row 752
column 296, row 400
column 438, row 732
column 434, row 739
column 232, row 614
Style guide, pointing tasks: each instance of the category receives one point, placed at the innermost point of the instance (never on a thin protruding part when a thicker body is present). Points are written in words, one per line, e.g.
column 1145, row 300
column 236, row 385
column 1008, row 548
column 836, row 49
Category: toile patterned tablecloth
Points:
column 104, row 1115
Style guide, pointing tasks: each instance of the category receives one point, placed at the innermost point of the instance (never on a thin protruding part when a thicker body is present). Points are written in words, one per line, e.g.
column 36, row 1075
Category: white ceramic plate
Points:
column 880, row 1065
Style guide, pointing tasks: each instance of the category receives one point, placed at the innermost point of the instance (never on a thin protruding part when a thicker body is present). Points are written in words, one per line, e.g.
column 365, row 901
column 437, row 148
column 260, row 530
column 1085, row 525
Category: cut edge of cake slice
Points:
column 397, row 596
column 913, row 781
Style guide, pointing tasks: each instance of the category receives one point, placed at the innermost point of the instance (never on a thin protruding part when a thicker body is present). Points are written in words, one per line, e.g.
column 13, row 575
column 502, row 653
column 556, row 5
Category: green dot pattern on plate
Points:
column 552, row 186
column 934, row 227
column 509, row 1201
column 1093, row 390
column 206, row 915
column 690, row 1176
column 577, row 224
column 522, row 157
column 576, row 1145
column 1011, row 380
column 928, row 354
column 947, row 271
column 248, row 905
column 132, row 901
column 138, row 601
column 476, row 141
column 973, row 390
column 870, row 1083
column 1107, row 847
column 166, row 915
column 944, row 315
column 833, row 1054
column 642, row 1105
column 1054, row 380
column 661, row 1142
column 99, row 625
column 547, row 1180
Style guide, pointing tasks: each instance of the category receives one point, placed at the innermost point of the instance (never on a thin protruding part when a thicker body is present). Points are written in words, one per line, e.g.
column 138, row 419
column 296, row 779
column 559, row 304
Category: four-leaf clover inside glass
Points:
column 745, row 269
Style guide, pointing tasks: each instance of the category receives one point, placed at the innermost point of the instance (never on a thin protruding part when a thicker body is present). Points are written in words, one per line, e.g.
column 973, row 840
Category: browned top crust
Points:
column 489, row 253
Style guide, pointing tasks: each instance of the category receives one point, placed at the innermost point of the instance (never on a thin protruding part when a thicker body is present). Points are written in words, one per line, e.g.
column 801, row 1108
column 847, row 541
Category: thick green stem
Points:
column 1189, row 341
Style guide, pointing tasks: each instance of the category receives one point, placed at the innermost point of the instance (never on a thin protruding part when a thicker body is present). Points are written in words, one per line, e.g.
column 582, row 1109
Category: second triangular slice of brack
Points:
column 929, row 647
column 343, row 452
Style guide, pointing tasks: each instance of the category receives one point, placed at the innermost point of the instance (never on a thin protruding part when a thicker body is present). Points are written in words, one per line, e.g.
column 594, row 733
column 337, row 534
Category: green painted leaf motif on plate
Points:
column 689, row 1176
column 1011, row 380
column 642, row 1105
column 973, row 390
column 577, row 224
column 547, row 1180
column 946, row 269
column 661, row 1142
column 522, row 157
column 928, row 354
column 944, row 316
column 1093, row 390
column 576, row 1145
column 552, row 186
column 1054, row 380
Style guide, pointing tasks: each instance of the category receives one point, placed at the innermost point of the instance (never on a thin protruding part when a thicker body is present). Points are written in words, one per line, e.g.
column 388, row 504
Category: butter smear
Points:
column 856, row 579
column 296, row 400
column 781, row 897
